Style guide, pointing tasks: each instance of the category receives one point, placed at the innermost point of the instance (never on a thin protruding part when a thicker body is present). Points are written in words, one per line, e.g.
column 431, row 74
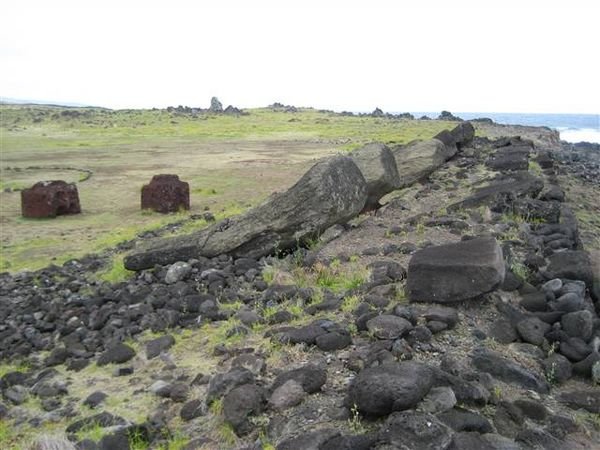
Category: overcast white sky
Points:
column 513, row 56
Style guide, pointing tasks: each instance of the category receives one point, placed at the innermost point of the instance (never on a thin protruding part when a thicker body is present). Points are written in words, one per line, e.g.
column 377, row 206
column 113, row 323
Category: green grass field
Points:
column 231, row 163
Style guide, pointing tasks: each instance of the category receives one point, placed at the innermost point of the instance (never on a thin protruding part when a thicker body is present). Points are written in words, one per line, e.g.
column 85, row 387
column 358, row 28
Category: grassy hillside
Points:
column 231, row 163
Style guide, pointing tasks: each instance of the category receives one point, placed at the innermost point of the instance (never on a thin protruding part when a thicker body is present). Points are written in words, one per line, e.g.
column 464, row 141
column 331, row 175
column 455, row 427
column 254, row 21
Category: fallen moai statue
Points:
column 50, row 199
column 377, row 164
column 463, row 134
column 419, row 159
column 165, row 194
column 332, row 191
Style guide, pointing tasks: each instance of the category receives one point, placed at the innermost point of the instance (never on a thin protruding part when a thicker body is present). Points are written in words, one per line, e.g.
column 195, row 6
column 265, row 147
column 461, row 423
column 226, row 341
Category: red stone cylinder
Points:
column 165, row 194
column 50, row 199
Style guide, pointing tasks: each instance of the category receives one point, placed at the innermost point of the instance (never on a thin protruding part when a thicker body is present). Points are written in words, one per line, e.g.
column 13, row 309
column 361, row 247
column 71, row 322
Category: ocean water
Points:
column 572, row 127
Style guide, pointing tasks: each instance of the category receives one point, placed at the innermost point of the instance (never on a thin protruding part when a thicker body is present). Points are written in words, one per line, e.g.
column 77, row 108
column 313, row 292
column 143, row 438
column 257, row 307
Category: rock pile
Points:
column 50, row 199
column 512, row 156
column 369, row 365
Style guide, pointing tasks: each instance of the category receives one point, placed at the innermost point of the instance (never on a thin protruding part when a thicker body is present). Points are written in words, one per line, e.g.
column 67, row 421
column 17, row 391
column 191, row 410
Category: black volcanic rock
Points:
column 240, row 404
column 117, row 354
column 310, row 377
column 414, row 430
column 455, row 272
column 508, row 371
column 573, row 265
column 380, row 390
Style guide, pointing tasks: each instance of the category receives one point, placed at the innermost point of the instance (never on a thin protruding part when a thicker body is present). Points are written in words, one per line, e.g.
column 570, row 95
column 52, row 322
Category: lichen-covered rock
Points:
column 50, row 199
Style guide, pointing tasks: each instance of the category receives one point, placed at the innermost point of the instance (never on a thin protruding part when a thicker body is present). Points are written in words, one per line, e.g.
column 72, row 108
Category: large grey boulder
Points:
column 377, row 164
column 418, row 159
column 332, row 191
column 455, row 272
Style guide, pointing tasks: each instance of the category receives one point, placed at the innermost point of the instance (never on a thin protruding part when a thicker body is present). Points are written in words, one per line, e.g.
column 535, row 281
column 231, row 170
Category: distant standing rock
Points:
column 232, row 111
column 50, row 199
column 447, row 115
column 165, row 194
column 215, row 105
column 511, row 157
column 377, row 112
column 241, row 403
column 455, row 272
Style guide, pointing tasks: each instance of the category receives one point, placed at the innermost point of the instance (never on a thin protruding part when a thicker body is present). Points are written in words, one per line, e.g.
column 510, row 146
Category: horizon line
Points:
column 73, row 104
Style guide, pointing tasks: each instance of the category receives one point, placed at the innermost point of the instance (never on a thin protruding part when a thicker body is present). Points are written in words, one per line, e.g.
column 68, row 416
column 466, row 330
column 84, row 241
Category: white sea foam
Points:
column 580, row 135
